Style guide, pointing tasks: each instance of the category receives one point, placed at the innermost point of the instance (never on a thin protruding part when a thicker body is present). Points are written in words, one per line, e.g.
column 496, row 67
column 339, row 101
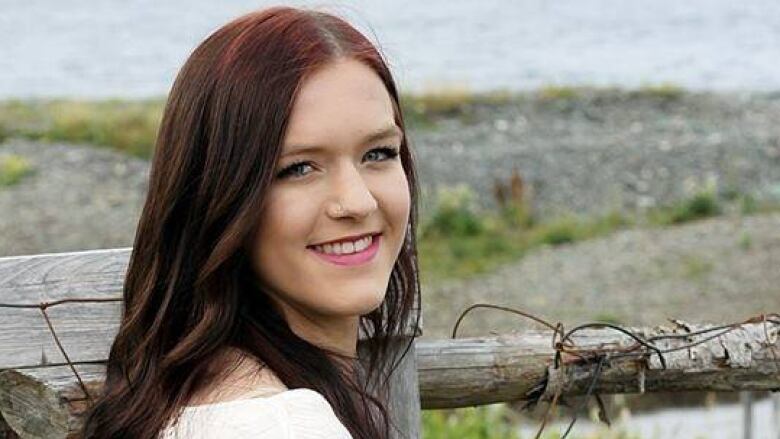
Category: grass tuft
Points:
column 457, row 240
column 499, row 421
column 557, row 93
column 701, row 205
column 664, row 91
column 128, row 126
column 423, row 110
column 482, row 422
column 13, row 168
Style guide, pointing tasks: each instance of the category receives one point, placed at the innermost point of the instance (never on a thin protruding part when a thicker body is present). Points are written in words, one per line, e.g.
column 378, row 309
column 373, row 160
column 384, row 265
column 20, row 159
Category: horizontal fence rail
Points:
column 59, row 314
column 474, row 371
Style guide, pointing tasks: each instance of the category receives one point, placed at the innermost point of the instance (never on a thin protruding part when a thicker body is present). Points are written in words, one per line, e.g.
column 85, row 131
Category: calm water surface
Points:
column 133, row 48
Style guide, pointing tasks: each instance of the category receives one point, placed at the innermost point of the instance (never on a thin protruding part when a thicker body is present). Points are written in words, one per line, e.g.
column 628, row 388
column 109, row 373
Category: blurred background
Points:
column 581, row 160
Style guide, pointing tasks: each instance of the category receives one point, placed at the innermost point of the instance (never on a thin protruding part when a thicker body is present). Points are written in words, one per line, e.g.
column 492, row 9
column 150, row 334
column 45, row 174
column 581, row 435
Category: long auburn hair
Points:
column 189, row 291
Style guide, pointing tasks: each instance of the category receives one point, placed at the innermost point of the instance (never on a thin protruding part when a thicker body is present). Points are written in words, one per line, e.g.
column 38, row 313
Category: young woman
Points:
column 280, row 220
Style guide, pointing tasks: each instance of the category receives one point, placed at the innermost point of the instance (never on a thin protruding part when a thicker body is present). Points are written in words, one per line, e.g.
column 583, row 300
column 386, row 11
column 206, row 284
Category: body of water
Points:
column 133, row 48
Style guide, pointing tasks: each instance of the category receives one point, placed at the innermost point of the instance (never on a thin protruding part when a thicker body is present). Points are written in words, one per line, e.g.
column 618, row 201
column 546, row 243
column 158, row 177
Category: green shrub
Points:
column 730, row 193
column 748, row 205
column 481, row 422
column 457, row 243
column 701, row 205
column 517, row 216
column 558, row 232
column 13, row 168
column 454, row 215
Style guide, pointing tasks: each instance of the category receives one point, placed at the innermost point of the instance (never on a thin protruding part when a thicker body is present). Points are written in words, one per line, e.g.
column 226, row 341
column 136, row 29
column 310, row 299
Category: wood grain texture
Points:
column 478, row 371
column 47, row 402
column 86, row 330
column 5, row 430
column 39, row 397
column 404, row 407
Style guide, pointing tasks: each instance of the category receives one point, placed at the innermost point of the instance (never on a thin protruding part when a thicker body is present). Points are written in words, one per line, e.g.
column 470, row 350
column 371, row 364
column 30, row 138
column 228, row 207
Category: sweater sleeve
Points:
column 295, row 414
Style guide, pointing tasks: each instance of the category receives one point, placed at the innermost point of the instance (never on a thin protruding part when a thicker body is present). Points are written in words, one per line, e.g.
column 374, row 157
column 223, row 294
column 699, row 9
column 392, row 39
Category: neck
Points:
column 339, row 336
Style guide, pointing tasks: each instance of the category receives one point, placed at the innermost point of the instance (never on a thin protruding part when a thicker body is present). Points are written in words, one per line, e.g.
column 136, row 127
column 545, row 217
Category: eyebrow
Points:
column 382, row 133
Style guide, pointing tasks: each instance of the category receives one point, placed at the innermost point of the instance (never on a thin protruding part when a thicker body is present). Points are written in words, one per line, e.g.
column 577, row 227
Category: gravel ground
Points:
column 585, row 155
column 718, row 270
column 608, row 151
column 79, row 198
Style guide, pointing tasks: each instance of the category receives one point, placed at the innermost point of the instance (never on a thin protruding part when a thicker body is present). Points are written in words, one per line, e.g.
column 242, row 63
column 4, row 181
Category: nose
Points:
column 352, row 196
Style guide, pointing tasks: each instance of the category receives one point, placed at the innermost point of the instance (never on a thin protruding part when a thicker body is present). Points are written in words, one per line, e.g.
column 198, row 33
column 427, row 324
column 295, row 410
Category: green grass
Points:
column 131, row 125
column 458, row 241
column 482, row 422
column 128, row 126
column 608, row 317
column 13, row 168
column 557, row 92
column 701, row 205
column 664, row 91
column 496, row 421
column 423, row 110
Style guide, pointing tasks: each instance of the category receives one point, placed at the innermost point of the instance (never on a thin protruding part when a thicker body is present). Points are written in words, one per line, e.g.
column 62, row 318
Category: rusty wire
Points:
column 42, row 306
column 564, row 345
column 642, row 348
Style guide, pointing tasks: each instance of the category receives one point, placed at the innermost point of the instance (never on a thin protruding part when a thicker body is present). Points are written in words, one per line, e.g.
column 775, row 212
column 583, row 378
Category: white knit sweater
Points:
column 291, row 414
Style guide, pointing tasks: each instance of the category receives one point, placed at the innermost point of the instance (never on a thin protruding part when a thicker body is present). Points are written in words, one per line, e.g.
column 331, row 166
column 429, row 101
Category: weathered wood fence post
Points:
column 39, row 396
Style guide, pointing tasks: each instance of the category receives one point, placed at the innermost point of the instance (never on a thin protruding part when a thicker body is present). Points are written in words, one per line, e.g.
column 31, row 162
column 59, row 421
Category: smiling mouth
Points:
column 349, row 253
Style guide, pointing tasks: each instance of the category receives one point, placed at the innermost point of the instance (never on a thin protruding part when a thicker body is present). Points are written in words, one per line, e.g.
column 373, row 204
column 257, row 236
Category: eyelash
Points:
column 390, row 151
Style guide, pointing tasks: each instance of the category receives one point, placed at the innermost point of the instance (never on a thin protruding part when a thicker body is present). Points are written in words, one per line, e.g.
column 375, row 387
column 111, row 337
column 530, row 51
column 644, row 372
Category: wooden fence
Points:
column 40, row 396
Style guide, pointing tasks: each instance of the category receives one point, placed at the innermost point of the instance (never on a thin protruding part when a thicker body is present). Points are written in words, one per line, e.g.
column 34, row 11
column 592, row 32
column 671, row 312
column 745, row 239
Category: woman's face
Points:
column 338, row 209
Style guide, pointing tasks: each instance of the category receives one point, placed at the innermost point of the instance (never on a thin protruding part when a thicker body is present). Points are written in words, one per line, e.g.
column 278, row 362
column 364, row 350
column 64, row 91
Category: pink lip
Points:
column 352, row 259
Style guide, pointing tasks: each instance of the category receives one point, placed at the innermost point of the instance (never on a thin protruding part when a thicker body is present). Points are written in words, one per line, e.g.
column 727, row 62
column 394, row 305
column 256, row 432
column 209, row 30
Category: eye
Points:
column 382, row 153
column 297, row 169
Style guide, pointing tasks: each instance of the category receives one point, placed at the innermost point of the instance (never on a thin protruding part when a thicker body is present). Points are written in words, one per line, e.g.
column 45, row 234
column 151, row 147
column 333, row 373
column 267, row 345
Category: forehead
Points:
column 340, row 103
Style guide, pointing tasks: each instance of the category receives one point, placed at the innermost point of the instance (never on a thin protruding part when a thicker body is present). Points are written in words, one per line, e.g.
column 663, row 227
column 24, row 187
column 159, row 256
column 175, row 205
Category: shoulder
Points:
column 310, row 415
column 238, row 377
column 292, row 414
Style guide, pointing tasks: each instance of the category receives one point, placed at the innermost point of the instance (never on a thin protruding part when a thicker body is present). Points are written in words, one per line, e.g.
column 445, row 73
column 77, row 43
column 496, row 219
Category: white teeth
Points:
column 345, row 247
column 361, row 245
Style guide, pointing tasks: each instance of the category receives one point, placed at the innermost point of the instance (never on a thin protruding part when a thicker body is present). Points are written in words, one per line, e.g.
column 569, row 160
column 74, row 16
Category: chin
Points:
column 365, row 303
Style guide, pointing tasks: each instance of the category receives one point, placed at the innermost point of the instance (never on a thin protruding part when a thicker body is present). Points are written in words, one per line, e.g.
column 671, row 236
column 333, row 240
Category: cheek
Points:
column 287, row 223
column 393, row 194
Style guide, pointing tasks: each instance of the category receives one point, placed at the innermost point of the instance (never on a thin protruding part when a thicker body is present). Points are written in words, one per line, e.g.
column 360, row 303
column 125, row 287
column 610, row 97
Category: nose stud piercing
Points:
column 339, row 210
